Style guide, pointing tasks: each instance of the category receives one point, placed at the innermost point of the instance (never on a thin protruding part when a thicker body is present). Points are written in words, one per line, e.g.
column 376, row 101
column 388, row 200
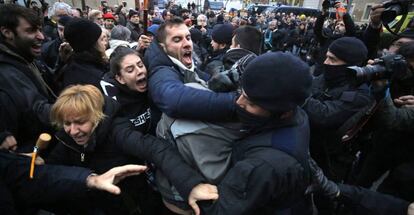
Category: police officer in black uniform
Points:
column 336, row 97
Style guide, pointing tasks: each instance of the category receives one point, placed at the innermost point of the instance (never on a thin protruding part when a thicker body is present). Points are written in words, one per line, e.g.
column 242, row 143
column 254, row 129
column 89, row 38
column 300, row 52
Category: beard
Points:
column 24, row 47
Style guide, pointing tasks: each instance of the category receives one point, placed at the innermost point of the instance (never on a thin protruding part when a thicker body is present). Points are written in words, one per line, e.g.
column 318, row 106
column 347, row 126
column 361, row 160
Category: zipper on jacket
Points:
column 82, row 154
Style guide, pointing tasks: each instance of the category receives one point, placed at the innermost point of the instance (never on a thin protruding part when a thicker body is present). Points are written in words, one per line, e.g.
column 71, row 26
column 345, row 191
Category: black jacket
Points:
column 100, row 154
column 134, row 105
column 136, row 31
column 233, row 55
column 332, row 112
column 214, row 62
column 367, row 202
column 115, row 142
column 50, row 52
column 52, row 185
column 83, row 69
column 27, row 98
column 270, row 171
column 329, row 108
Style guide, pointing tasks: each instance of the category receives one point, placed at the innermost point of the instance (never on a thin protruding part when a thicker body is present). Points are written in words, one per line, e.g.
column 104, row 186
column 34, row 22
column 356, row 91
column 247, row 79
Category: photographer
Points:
column 372, row 33
column 392, row 148
column 325, row 37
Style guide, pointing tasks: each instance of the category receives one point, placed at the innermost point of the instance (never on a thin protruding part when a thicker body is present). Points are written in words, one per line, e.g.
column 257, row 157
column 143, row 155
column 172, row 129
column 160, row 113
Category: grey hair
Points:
column 202, row 16
column 59, row 6
column 120, row 32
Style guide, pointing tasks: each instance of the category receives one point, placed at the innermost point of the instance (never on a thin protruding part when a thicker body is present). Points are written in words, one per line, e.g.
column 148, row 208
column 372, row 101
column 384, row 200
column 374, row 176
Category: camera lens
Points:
column 369, row 72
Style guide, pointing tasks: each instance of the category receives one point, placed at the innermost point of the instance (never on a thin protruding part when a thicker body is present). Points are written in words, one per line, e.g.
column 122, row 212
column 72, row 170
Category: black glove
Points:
column 321, row 184
column 222, row 82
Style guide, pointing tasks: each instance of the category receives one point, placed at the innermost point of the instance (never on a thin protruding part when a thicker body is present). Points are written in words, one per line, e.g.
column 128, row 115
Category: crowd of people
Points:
column 204, row 113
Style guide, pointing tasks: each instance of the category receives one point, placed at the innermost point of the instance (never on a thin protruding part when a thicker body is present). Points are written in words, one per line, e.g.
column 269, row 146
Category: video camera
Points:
column 394, row 8
column 392, row 67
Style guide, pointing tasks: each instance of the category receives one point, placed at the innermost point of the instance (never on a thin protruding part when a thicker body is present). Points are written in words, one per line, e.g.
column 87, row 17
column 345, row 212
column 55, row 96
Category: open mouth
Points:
column 142, row 83
column 187, row 59
column 36, row 48
column 80, row 139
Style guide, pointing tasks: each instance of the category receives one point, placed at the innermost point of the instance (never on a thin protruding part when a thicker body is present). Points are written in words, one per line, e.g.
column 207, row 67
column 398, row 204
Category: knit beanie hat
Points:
column 222, row 33
column 153, row 29
column 277, row 81
column 82, row 34
column 196, row 35
column 157, row 21
column 349, row 49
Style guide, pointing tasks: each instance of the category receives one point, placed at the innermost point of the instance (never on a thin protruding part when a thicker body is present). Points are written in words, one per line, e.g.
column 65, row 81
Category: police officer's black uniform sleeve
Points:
column 51, row 183
column 160, row 152
column 364, row 201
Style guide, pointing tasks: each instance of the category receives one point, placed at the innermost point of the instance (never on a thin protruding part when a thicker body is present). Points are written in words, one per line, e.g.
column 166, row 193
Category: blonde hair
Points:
column 85, row 101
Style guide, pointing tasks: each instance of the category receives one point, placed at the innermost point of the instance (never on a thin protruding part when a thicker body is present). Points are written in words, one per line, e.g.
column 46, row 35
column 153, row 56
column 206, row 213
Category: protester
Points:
column 326, row 37
column 220, row 42
column 27, row 95
column 127, row 84
column 133, row 25
column 96, row 17
column 170, row 63
column 88, row 62
column 109, row 21
column 55, row 53
column 55, row 12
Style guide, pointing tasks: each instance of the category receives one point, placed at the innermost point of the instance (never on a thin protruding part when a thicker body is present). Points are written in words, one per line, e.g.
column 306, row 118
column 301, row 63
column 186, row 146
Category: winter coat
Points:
column 330, row 110
column 364, row 201
column 52, row 185
column 136, row 31
column 270, row 171
column 27, row 98
column 233, row 55
column 167, row 90
column 214, row 62
column 50, row 52
column 83, row 70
